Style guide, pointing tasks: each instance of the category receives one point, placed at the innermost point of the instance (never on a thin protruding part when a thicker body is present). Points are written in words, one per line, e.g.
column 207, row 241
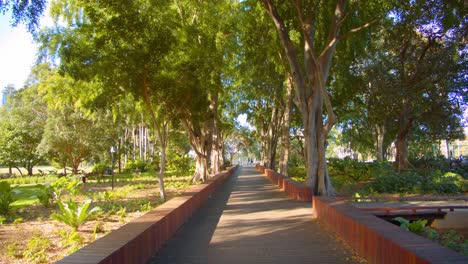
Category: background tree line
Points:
column 308, row 74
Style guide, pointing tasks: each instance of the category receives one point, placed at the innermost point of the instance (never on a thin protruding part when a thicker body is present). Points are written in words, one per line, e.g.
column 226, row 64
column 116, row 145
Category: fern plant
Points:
column 74, row 215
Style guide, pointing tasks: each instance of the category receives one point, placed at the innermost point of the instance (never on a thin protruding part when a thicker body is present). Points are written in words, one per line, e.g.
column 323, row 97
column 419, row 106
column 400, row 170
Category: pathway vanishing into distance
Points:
column 248, row 220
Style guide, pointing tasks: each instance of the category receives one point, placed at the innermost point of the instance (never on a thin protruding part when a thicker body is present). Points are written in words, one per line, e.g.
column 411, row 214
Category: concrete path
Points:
column 249, row 220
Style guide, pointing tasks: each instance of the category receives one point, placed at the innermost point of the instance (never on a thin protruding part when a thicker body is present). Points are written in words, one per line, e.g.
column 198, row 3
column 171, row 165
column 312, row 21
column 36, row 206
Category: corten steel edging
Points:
column 377, row 240
column 294, row 190
column 140, row 239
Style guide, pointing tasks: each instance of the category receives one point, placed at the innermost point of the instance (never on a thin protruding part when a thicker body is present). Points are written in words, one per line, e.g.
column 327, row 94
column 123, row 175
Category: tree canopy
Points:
column 370, row 74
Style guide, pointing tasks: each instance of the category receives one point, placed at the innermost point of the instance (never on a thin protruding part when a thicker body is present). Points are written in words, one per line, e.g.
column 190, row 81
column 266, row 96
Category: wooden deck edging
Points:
column 294, row 189
column 376, row 240
column 140, row 239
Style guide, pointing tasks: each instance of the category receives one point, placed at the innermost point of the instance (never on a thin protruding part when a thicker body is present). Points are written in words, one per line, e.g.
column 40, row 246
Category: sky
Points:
column 17, row 53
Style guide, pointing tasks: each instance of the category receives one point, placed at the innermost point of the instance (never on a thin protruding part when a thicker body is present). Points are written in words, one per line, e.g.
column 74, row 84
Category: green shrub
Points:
column 6, row 197
column 99, row 169
column 357, row 171
column 70, row 239
column 136, row 166
column 455, row 241
column 413, row 182
column 74, row 215
column 45, row 195
column 448, row 182
column 179, row 164
column 408, row 182
column 62, row 184
column 14, row 250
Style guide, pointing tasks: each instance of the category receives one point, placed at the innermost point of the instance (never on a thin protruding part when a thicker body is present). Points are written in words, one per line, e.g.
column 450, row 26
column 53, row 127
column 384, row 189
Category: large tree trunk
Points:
column 402, row 139
column 310, row 90
column 285, row 137
column 201, row 141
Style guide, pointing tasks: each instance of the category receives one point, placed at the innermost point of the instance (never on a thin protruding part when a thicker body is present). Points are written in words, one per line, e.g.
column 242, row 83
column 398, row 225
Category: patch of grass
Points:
column 25, row 195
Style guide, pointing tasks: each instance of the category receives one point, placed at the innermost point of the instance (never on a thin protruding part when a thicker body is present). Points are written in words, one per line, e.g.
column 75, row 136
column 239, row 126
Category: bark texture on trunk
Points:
column 286, row 124
column 163, row 134
column 402, row 139
column 310, row 91
column 201, row 140
column 379, row 132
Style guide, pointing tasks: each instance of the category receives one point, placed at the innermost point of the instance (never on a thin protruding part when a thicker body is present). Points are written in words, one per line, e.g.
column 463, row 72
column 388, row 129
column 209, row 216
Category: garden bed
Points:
column 29, row 235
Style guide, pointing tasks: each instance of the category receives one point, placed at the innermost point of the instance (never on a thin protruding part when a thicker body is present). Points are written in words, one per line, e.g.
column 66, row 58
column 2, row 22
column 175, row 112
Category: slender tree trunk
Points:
column 119, row 150
column 19, row 170
column 10, row 170
column 273, row 133
column 216, row 154
column 447, row 147
column 163, row 133
column 379, row 138
column 285, row 137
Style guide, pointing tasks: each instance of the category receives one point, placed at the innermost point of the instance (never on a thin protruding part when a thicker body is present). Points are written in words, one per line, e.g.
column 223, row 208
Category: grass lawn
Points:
column 25, row 195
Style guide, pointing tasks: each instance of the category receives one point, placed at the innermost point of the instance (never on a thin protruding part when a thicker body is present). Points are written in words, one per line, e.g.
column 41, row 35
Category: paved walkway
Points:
column 250, row 221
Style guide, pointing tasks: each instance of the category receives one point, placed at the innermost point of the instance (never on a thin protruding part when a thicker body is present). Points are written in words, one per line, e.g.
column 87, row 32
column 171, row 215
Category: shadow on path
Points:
column 248, row 220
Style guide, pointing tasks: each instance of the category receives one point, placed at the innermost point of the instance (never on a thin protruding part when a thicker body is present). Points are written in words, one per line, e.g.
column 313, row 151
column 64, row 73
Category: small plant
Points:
column 59, row 186
column 2, row 220
column 46, row 194
column 453, row 241
column 98, row 228
column 36, row 249
column 417, row 226
column 71, row 240
column 18, row 220
column 14, row 250
column 146, row 207
column 74, row 215
column 73, row 187
column 122, row 214
column 6, row 197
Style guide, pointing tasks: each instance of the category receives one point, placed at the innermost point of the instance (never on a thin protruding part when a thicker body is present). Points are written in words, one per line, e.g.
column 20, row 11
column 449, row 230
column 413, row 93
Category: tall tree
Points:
column 121, row 45
column 320, row 25
column 21, row 129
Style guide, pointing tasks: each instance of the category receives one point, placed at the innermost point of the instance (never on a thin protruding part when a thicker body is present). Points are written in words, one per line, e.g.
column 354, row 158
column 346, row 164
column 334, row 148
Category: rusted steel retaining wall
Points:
column 294, row 189
column 140, row 239
column 377, row 240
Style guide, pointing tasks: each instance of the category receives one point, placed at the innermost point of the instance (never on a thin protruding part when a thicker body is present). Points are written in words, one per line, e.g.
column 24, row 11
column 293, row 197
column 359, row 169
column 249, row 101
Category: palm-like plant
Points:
column 73, row 214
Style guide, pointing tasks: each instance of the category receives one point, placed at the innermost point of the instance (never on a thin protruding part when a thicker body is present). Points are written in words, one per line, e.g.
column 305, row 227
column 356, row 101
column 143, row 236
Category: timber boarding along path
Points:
column 249, row 220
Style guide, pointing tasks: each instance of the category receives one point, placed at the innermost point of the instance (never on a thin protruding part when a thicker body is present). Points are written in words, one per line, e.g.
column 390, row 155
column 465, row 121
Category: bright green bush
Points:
column 99, row 170
column 137, row 165
column 357, row 171
column 6, row 197
column 414, row 182
column 74, row 215
column 181, row 165
column 45, row 195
